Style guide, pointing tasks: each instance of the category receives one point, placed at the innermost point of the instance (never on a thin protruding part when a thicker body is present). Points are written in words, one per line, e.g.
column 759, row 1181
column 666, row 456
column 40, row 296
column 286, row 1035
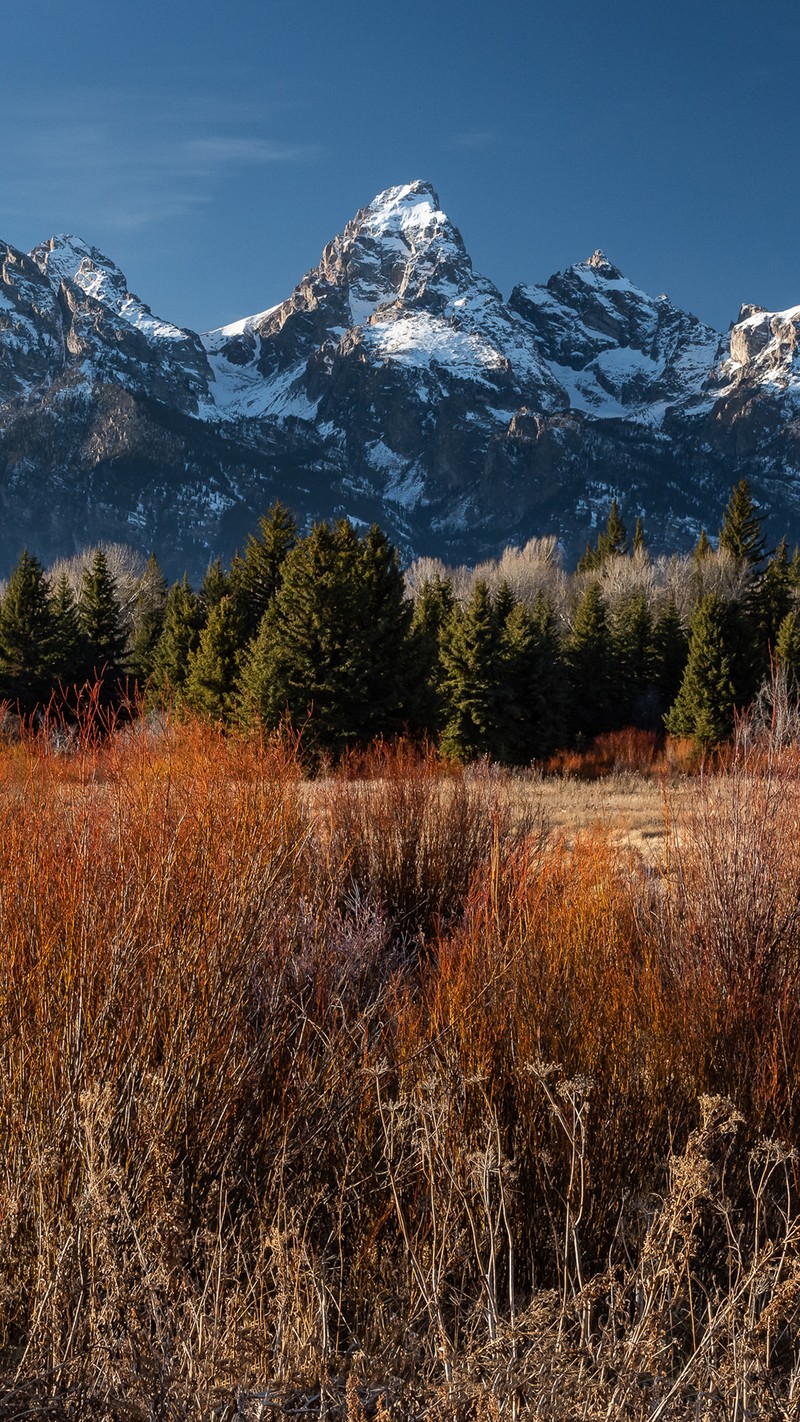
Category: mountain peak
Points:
column 88, row 273
column 401, row 246
column 599, row 263
column 410, row 214
column 405, row 194
column 61, row 258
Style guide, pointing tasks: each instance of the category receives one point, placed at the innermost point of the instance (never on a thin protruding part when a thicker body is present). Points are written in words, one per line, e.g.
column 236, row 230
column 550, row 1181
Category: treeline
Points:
column 512, row 660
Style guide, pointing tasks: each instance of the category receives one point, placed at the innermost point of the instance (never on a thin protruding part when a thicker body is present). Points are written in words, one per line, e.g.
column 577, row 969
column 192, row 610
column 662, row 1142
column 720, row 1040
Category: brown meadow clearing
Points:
column 411, row 1091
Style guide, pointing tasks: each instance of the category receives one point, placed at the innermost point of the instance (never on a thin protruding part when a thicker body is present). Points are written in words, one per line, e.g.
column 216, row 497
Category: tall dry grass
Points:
column 366, row 1097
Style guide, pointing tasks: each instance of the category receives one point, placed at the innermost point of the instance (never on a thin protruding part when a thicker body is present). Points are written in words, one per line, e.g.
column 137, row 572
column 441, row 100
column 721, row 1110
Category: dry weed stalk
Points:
column 260, row 1158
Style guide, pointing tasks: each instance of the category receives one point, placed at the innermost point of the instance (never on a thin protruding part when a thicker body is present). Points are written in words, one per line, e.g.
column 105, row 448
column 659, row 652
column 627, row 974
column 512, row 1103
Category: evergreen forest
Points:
column 324, row 633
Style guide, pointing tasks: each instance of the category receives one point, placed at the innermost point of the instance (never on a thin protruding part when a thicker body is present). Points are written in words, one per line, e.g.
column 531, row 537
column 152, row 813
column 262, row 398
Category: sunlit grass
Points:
column 380, row 1091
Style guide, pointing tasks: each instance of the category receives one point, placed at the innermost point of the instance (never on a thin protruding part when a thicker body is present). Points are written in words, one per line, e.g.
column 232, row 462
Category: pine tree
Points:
column 210, row 685
column 180, row 636
column 255, row 579
column 102, row 625
column 704, row 708
column 670, row 650
column 471, row 683
column 69, row 646
column 332, row 652
column 26, row 636
column 631, row 629
column 433, row 609
column 532, row 685
column 787, row 649
column 741, row 532
column 148, row 621
column 589, row 662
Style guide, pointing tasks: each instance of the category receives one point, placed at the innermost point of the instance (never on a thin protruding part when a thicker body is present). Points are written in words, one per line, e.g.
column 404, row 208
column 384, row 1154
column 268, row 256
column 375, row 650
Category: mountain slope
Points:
column 395, row 383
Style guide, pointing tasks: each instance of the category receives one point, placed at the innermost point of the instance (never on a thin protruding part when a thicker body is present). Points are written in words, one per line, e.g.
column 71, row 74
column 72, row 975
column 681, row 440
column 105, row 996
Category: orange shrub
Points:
column 630, row 749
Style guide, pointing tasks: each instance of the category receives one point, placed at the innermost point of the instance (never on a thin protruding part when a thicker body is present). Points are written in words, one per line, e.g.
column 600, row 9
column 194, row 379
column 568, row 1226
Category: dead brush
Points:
column 405, row 833
column 731, row 923
column 257, row 1160
column 556, row 962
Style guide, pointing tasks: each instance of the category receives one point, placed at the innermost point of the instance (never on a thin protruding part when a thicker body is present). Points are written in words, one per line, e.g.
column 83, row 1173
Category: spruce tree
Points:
column 69, row 646
column 256, row 577
column 258, row 693
column 471, row 683
column 611, row 543
column 532, row 688
column 631, row 628
column 215, row 586
column 503, row 604
column 702, row 547
column 301, row 664
column 741, row 531
column 771, row 600
column 332, row 653
column 787, row 649
column 639, row 542
column 589, row 662
column 210, row 685
column 614, row 542
column 180, row 636
column 432, row 611
column 26, row 636
column 385, row 618
column 149, row 610
column 102, row 625
column 704, row 708
column 670, row 650
column 589, row 561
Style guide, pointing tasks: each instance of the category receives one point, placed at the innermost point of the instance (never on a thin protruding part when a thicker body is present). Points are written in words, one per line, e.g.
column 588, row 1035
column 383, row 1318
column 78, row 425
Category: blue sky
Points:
column 212, row 149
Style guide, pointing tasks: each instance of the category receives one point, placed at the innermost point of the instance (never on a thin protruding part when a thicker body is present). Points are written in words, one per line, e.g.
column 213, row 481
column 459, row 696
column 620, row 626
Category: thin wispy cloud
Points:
column 79, row 162
column 249, row 151
column 472, row 141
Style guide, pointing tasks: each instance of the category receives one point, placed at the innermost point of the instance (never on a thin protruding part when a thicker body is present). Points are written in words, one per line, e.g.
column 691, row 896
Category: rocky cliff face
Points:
column 395, row 384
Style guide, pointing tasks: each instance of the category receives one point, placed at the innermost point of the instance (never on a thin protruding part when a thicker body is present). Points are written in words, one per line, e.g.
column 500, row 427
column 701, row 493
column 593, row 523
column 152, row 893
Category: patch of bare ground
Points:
column 637, row 811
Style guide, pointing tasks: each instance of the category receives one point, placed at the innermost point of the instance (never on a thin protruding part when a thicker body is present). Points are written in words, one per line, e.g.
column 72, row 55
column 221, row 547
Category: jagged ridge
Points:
column 394, row 383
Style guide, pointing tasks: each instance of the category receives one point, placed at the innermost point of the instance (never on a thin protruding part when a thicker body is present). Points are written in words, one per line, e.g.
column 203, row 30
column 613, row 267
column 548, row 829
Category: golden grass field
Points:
column 411, row 1092
column 633, row 809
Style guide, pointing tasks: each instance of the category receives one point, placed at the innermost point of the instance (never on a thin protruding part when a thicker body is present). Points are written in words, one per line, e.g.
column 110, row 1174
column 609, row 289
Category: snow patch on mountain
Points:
column 419, row 341
column 239, row 392
column 404, row 479
column 248, row 326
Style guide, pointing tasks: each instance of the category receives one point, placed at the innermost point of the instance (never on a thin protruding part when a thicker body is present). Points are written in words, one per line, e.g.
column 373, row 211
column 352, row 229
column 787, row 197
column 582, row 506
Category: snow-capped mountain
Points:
column 395, row 383
column 617, row 352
